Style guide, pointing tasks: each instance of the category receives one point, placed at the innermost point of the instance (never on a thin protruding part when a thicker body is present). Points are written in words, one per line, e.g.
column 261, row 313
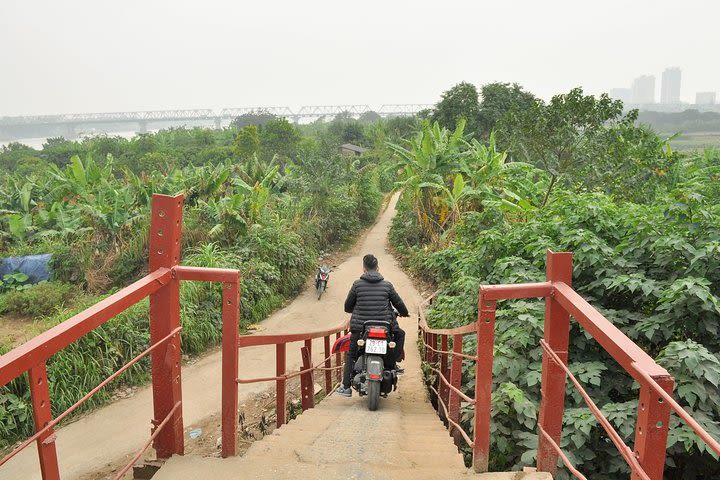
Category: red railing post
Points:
column 230, row 354
column 651, row 431
column 483, row 382
column 280, row 384
column 445, row 370
column 433, row 345
column 328, row 365
column 307, row 385
column 556, row 335
column 165, row 231
column 425, row 350
column 308, row 345
column 42, row 415
column 338, row 362
column 455, row 381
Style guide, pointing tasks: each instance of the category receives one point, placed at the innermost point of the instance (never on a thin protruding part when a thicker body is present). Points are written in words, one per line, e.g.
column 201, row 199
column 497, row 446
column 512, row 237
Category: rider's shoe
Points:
column 399, row 371
column 345, row 392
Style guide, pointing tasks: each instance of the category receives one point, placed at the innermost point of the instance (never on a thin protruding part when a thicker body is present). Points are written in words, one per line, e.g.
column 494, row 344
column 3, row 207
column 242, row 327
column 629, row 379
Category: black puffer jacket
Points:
column 371, row 298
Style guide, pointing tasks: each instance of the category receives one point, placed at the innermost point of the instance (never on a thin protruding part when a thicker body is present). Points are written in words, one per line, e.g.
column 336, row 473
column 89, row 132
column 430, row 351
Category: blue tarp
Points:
column 37, row 267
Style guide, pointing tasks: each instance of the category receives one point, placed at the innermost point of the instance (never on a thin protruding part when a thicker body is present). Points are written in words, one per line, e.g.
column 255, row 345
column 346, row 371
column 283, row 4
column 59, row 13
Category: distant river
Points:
column 37, row 143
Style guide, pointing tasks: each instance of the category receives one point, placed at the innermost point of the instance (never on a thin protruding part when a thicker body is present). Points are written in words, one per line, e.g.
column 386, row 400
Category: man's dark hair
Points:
column 370, row 262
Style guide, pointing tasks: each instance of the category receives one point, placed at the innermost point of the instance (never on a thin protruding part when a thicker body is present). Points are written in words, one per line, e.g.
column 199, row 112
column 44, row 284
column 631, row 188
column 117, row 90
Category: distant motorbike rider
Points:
column 322, row 270
column 371, row 298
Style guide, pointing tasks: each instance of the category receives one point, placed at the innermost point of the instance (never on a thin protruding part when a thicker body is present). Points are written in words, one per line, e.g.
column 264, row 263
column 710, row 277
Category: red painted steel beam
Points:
column 666, row 394
column 200, row 274
column 615, row 342
column 165, row 232
column 556, row 333
column 281, row 385
column 516, row 291
column 455, row 381
column 254, row 340
column 307, row 382
column 444, row 391
column 328, row 365
column 42, row 416
column 485, row 326
column 39, row 349
column 651, row 430
column 230, row 354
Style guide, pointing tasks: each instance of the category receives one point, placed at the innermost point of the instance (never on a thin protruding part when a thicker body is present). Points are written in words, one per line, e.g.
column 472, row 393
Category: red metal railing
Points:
column 306, row 371
column 162, row 285
column 647, row 458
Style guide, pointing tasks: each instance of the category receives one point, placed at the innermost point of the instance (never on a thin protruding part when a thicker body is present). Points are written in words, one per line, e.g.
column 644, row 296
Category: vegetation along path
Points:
column 117, row 431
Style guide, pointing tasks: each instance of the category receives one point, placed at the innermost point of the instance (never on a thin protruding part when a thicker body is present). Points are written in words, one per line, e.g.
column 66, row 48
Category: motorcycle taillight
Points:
column 323, row 276
column 377, row 333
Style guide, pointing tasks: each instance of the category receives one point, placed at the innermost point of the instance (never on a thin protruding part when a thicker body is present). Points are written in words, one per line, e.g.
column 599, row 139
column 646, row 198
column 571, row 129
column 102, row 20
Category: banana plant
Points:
column 426, row 166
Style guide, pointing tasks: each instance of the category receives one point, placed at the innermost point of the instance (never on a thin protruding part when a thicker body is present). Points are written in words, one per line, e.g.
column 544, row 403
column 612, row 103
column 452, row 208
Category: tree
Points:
column 13, row 154
column 425, row 168
column 247, row 142
column 561, row 137
column 498, row 99
column 348, row 131
column 461, row 101
column 279, row 137
column 59, row 150
column 370, row 116
column 256, row 117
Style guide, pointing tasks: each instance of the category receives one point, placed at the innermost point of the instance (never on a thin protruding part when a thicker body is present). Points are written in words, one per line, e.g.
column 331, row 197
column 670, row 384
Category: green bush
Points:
column 68, row 263
column 38, row 300
column 267, row 217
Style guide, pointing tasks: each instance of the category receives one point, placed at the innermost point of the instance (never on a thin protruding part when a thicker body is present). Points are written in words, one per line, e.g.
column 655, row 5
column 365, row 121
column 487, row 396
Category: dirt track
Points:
column 118, row 430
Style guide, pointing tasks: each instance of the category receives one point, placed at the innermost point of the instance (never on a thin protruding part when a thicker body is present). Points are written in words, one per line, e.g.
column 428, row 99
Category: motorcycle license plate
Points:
column 375, row 346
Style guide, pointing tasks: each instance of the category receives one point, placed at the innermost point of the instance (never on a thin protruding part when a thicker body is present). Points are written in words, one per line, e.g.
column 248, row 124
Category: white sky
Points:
column 96, row 55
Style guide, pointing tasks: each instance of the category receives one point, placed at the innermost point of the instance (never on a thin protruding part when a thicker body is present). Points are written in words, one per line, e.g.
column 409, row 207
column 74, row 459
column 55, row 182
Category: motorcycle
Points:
column 372, row 378
column 321, row 279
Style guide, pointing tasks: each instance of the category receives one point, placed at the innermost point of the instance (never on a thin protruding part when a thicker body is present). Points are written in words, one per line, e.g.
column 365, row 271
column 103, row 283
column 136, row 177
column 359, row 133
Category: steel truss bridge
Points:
column 70, row 123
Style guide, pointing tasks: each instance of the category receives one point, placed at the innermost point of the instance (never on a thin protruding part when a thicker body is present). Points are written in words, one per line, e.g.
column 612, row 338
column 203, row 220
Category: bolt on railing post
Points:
column 42, row 415
column 651, row 431
column 328, row 365
column 445, row 370
column 455, row 381
column 230, row 354
column 483, row 382
column 165, row 232
column 556, row 335
column 280, row 384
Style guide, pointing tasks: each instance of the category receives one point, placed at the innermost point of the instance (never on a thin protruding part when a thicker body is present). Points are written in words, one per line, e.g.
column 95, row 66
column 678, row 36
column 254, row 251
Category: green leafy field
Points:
column 643, row 222
column 265, row 199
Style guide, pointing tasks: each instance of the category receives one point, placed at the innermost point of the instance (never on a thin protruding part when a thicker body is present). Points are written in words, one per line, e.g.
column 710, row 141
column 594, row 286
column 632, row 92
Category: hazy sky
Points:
column 94, row 55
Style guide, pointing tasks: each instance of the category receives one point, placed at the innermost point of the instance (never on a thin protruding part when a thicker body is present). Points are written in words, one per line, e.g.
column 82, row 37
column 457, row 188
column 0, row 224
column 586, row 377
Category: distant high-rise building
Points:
column 643, row 89
column 622, row 94
column 705, row 98
column 670, row 91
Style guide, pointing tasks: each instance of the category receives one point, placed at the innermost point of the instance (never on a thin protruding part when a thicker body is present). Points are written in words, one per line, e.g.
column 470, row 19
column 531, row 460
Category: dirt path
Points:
column 118, row 430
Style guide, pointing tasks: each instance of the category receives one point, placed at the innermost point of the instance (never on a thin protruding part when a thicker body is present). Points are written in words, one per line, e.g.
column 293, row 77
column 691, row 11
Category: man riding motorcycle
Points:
column 371, row 298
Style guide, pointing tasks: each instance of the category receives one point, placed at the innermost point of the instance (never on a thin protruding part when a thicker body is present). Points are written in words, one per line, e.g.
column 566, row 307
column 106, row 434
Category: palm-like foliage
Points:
column 425, row 165
column 444, row 175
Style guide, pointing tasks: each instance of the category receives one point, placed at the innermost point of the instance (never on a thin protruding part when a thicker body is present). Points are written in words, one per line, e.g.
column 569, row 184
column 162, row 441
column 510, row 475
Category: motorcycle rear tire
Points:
column 320, row 289
column 373, row 395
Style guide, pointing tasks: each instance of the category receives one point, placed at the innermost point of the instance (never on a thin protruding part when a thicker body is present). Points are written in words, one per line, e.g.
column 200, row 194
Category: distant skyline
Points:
column 89, row 56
